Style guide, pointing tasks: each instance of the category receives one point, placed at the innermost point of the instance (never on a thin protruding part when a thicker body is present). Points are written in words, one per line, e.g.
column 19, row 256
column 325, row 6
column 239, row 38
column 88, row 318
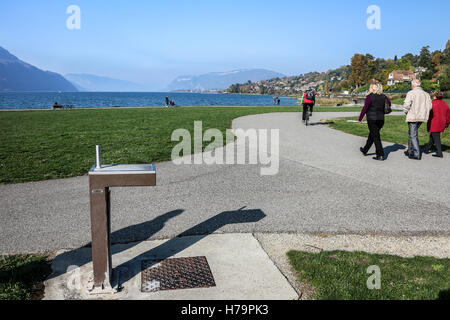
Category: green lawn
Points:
column 22, row 276
column 395, row 130
column 341, row 275
column 41, row 145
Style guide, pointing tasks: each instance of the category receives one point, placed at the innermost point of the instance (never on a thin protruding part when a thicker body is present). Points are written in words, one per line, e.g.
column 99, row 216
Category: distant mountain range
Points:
column 93, row 83
column 220, row 80
column 16, row 75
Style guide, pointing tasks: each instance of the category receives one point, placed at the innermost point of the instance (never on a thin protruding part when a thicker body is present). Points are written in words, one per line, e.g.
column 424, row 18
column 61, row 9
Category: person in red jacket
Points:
column 439, row 120
column 308, row 101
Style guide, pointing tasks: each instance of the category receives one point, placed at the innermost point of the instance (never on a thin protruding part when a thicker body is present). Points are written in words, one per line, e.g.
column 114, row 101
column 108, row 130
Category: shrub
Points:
column 429, row 86
column 444, row 80
column 398, row 87
column 331, row 102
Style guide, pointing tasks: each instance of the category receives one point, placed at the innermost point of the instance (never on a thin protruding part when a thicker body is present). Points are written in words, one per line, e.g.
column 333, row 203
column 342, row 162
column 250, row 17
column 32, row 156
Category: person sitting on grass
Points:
column 439, row 120
column 57, row 106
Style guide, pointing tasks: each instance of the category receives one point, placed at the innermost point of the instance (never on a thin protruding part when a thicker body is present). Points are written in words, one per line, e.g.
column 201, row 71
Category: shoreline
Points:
column 179, row 107
column 152, row 107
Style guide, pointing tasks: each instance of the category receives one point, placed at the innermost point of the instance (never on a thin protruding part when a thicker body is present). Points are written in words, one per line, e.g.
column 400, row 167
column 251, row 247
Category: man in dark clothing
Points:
column 167, row 101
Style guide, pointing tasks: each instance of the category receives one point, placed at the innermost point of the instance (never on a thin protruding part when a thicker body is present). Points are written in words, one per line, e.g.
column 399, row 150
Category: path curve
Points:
column 324, row 186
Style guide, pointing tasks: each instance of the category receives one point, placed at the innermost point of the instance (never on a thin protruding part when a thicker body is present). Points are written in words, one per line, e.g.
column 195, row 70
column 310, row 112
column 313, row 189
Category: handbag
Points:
column 387, row 107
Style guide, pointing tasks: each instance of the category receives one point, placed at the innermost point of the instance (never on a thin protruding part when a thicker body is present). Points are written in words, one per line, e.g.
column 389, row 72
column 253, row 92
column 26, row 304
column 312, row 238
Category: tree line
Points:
column 363, row 69
column 436, row 65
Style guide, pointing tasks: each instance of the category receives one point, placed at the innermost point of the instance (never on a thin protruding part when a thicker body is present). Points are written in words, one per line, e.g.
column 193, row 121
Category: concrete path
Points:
column 324, row 185
column 240, row 267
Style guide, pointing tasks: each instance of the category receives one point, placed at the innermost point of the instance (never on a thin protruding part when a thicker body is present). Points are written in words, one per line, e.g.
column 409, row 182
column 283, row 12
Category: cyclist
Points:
column 308, row 101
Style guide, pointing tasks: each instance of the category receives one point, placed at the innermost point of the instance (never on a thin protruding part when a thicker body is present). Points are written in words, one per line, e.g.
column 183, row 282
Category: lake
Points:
column 45, row 100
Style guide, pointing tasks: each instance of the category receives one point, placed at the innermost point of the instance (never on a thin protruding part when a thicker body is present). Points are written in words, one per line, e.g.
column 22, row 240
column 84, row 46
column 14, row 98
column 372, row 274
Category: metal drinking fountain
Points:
column 101, row 179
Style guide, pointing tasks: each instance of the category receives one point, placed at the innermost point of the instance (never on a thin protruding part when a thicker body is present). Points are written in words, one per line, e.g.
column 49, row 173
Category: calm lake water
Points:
column 45, row 100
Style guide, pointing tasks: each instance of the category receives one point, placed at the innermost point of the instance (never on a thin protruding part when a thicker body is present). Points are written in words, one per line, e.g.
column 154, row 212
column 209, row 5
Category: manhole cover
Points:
column 173, row 274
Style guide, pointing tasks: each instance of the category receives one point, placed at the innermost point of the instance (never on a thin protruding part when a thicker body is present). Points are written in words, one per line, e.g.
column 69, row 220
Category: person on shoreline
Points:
column 56, row 105
column 167, row 101
column 308, row 101
column 278, row 101
column 374, row 110
column 439, row 120
column 417, row 107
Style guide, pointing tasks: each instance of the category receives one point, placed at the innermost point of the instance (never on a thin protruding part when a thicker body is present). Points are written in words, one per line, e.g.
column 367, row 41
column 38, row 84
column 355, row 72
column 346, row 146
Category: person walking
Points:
column 439, row 120
column 417, row 107
column 167, row 101
column 374, row 110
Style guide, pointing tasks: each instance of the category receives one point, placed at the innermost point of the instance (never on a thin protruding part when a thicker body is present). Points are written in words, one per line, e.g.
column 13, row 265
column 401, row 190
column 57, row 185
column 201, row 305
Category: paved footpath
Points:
column 325, row 186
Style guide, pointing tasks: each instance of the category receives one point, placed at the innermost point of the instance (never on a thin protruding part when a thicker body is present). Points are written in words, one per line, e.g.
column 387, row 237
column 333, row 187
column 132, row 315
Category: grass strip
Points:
column 22, row 276
column 395, row 130
column 341, row 275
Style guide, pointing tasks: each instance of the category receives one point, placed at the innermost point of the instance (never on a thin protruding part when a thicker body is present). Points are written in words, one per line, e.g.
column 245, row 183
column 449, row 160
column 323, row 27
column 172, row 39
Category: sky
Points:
column 151, row 42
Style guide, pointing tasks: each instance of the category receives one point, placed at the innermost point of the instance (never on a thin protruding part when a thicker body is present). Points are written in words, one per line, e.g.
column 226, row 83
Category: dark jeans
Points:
column 374, row 137
column 305, row 109
column 435, row 139
column 413, row 145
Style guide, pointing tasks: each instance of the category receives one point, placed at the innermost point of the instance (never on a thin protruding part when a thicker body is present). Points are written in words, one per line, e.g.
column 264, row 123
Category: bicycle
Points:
column 307, row 116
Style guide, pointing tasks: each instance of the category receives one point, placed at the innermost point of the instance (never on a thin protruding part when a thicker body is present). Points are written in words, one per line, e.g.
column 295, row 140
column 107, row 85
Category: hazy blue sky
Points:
column 152, row 42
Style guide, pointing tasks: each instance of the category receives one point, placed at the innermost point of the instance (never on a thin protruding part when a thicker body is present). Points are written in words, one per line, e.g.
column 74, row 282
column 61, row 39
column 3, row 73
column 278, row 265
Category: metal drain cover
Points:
column 174, row 274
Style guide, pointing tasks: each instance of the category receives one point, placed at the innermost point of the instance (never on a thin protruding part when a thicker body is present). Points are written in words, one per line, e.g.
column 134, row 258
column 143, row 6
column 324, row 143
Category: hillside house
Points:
column 398, row 76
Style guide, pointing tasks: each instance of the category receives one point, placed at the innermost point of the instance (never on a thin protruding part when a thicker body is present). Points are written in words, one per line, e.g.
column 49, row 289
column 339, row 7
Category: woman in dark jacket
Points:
column 374, row 111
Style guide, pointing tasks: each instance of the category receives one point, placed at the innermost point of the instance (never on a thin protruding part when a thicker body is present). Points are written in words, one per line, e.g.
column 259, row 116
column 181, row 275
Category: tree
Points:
column 345, row 85
column 405, row 64
column 425, row 59
column 359, row 73
column 429, row 86
column 326, row 88
column 446, row 54
column 382, row 77
column 390, row 66
column 235, row 88
column 413, row 58
column 427, row 75
column 337, row 87
column 371, row 67
column 436, row 60
column 380, row 64
column 444, row 80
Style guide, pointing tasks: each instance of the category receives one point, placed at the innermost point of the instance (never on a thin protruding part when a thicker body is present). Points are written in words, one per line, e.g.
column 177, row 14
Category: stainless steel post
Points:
column 98, row 150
